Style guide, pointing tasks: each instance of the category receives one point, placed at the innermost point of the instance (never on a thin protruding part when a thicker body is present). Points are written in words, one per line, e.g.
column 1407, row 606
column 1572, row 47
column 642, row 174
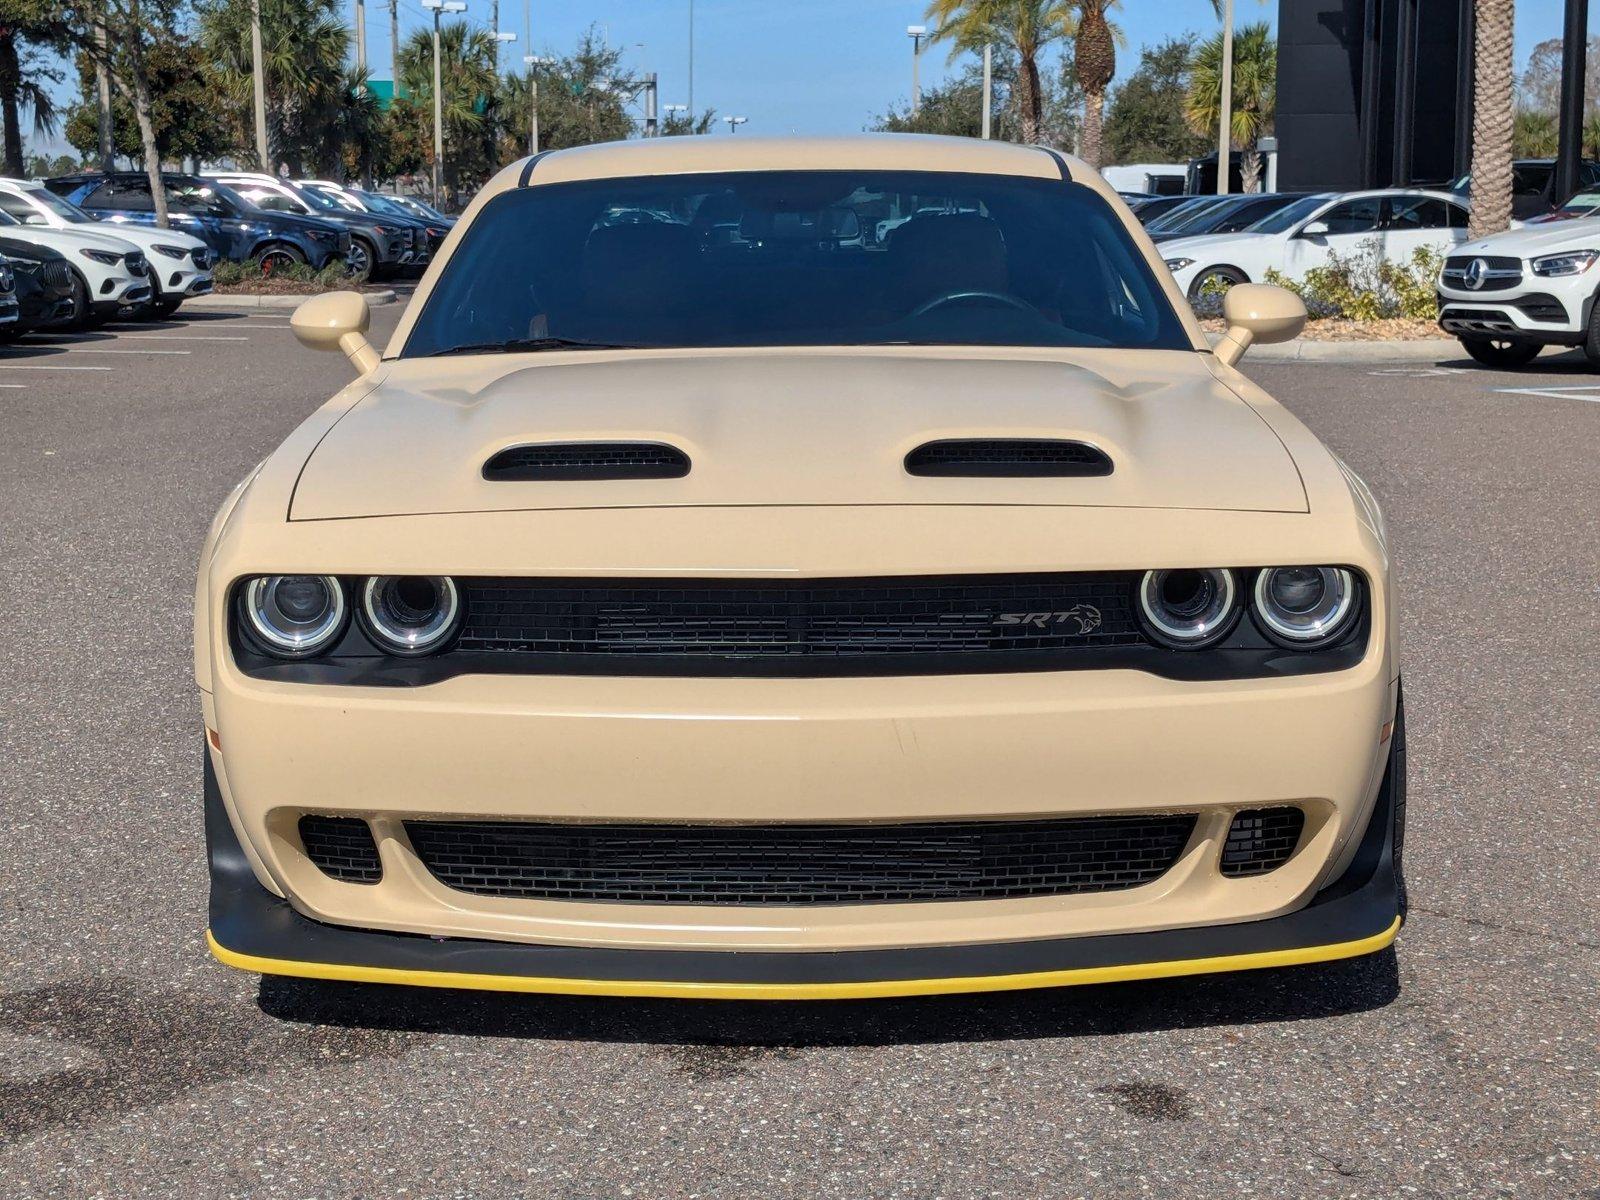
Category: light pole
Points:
column 652, row 93
column 735, row 122
column 361, row 35
column 1225, row 108
column 501, row 38
column 988, row 86
column 691, row 55
column 916, row 33
column 436, row 7
column 669, row 109
column 533, row 63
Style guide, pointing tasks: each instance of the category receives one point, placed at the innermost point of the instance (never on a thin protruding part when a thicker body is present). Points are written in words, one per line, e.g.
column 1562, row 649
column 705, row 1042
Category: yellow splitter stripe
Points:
column 869, row 989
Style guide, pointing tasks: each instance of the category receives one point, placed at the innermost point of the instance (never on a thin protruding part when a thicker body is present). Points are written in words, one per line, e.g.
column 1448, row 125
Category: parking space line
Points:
column 45, row 367
column 176, row 337
column 96, row 350
column 1558, row 391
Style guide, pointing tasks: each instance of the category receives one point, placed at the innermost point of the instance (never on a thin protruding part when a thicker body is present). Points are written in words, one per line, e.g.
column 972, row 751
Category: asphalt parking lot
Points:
column 1463, row 1064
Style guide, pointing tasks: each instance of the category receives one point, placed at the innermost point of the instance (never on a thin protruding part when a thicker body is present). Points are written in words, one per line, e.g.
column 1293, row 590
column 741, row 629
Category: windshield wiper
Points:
column 520, row 345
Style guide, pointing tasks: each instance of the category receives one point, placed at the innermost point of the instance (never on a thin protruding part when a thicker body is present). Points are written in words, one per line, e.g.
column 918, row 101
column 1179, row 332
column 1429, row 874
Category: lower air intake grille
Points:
column 800, row 864
column 341, row 847
column 1261, row 840
column 1013, row 457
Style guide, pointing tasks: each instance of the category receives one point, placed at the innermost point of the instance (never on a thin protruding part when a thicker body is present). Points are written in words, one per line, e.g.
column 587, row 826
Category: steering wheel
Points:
column 958, row 297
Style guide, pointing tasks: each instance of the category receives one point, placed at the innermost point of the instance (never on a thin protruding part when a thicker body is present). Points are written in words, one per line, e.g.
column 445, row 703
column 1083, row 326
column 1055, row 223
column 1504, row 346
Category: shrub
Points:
column 1366, row 286
column 234, row 274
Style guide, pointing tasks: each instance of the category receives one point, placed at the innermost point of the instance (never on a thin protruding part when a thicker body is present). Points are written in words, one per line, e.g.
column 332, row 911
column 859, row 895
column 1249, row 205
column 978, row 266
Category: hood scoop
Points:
column 587, row 461
column 1012, row 458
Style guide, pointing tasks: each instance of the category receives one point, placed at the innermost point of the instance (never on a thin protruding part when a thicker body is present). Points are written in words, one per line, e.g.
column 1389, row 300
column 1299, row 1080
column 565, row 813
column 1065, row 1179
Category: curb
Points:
column 1427, row 350
column 247, row 300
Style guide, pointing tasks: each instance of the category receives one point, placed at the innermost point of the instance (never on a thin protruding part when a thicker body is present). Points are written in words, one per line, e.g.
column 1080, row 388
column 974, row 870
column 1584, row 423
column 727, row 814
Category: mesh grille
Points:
column 56, row 275
column 1261, row 840
column 800, row 864
column 1009, row 457
column 588, row 460
column 341, row 847
column 825, row 618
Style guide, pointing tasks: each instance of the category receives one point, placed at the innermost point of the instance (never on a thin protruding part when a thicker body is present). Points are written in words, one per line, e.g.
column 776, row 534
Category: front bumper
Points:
column 1546, row 311
column 253, row 930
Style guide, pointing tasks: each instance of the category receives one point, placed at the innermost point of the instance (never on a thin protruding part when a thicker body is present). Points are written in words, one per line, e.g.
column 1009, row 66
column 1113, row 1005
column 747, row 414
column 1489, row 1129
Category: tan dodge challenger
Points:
column 798, row 569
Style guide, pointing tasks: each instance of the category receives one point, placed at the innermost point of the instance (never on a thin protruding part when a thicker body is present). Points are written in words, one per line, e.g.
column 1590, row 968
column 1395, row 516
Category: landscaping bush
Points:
column 248, row 276
column 1367, row 287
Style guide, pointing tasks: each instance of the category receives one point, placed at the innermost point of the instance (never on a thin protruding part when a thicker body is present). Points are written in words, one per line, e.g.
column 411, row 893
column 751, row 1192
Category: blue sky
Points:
column 793, row 67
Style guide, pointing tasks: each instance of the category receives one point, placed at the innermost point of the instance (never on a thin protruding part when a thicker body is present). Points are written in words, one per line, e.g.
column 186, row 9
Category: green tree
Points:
column 28, row 30
column 1255, row 93
column 955, row 109
column 1021, row 29
column 583, row 98
column 1146, row 122
column 685, row 124
column 1534, row 134
column 1094, row 55
column 469, row 93
column 183, row 107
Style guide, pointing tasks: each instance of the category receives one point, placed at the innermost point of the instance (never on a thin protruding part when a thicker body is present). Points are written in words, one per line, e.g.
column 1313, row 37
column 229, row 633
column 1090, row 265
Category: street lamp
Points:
column 735, row 122
column 669, row 109
column 437, row 7
column 531, row 61
column 916, row 33
column 501, row 38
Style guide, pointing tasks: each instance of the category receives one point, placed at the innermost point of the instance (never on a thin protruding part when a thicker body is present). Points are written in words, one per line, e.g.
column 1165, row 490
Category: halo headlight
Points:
column 294, row 616
column 1305, row 606
column 410, row 614
column 1188, row 609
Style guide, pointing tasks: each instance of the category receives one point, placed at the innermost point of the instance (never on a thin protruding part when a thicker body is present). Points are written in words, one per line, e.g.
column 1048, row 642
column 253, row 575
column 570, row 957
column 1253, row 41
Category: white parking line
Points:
column 44, row 367
column 1558, row 392
column 94, row 350
column 176, row 337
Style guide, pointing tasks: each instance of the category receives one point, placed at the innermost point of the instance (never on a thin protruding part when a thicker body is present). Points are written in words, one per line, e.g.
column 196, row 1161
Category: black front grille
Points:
column 587, row 460
column 1011, row 457
column 776, row 619
column 56, row 275
column 1501, row 272
column 341, row 847
column 800, row 864
column 135, row 263
column 1261, row 840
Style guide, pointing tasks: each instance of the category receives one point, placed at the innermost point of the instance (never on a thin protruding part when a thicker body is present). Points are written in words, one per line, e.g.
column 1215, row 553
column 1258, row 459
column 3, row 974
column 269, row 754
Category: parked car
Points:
column 1156, row 206
column 1221, row 214
column 1583, row 204
column 10, row 311
column 797, row 620
column 44, row 291
column 376, row 249
column 1508, row 296
column 1533, row 185
column 180, row 264
column 212, row 212
column 109, row 274
column 1309, row 232
column 425, row 239
column 421, row 209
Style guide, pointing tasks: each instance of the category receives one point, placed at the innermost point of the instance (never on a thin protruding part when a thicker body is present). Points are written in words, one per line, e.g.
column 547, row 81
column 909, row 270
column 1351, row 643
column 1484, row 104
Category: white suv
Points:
column 180, row 263
column 1510, row 295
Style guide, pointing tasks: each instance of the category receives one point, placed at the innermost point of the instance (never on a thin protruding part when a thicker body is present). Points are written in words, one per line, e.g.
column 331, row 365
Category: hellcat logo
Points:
column 1086, row 615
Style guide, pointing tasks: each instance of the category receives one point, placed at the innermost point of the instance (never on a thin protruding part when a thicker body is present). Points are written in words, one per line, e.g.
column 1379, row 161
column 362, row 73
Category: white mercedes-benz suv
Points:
column 1510, row 295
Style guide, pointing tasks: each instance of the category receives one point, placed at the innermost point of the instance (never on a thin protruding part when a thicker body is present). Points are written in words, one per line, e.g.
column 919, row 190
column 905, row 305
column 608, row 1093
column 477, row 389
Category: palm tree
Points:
column 1094, row 51
column 1491, row 117
column 468, row 89
column 1534, row 134
column 1255, row 93
column 24, row 80
column 1021, row 28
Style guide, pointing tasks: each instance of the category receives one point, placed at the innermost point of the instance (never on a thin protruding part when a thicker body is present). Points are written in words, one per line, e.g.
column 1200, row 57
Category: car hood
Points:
column 819, row 427
column 1197, row 245
column 1582, row 233
column 70, row 241
column 142, row 238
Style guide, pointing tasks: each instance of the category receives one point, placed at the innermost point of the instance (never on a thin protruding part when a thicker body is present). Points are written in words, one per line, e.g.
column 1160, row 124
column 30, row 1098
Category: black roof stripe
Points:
column 528, row 169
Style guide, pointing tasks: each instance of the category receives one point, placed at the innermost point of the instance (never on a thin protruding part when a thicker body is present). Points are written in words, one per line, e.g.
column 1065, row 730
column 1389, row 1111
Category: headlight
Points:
column 1305, row 606
column 380, row 230
column 1188, row 609
column 109, row 257
column 294, row 615
column 410, row 614
column 323, row 235
column 1573, row 262
column 1178, row 264
column 171, row 251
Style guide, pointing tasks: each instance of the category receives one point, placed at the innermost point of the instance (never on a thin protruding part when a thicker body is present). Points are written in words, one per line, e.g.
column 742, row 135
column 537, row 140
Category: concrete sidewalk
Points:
column 247, row 300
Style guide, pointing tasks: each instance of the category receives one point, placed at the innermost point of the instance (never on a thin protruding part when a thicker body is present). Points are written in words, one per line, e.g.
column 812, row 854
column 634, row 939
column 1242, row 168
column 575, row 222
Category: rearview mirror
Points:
column 337, row 321
column 1314, row 229
column 1258, row 312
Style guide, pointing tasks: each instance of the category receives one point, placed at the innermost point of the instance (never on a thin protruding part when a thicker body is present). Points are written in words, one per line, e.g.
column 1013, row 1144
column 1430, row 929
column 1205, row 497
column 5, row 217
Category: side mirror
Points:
column 1313, row 229
column 338, row 321
column 1258, row 312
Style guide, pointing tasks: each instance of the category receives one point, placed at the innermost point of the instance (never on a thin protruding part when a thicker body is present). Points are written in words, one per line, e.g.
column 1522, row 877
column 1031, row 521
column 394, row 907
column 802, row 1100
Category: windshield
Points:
column 62, row 208
column 381, row 204
column 797, row 258
column 1198, row 217
column 1582, row 202
column 412, row 205
column 1288, row 217
column 1182, row 211
column 315, row 198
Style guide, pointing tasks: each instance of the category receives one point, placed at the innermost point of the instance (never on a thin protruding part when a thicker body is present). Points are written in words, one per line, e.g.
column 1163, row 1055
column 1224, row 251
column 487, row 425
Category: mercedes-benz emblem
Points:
column 1477, row 269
